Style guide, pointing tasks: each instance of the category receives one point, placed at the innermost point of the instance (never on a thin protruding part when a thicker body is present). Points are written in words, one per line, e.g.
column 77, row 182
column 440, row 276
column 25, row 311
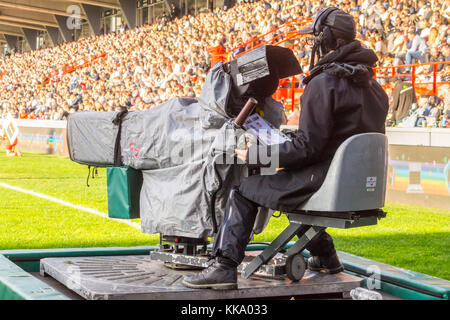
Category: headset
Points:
column 323, row 36
column 324, row 39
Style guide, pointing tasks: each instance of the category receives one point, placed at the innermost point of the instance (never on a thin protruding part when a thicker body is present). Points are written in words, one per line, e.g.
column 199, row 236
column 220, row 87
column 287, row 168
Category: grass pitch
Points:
column 411, row 237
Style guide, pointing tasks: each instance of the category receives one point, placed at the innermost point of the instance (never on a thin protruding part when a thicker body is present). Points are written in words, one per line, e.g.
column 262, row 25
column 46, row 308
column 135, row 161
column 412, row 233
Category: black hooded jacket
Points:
column 341, row 99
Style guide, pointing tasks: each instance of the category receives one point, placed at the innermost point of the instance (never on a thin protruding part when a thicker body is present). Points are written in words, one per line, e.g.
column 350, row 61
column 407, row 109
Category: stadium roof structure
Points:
column 26, row 18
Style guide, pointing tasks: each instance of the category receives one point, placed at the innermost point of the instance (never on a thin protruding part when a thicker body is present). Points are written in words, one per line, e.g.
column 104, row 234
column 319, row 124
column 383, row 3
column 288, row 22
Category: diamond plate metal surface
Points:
column 138, row 277
column 128, row 270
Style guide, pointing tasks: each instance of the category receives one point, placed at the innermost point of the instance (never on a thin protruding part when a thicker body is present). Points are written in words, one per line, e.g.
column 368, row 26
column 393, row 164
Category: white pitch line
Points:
column 68, row 204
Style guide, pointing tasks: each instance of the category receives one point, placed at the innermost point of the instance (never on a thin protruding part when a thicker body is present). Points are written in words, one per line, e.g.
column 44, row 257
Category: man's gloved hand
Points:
column 244, row 142
column 290, row 133
column 241, row 154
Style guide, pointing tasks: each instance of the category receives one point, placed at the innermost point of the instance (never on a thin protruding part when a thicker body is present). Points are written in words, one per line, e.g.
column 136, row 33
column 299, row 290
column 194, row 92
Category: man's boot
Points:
column 217, row 276
column 329, row 264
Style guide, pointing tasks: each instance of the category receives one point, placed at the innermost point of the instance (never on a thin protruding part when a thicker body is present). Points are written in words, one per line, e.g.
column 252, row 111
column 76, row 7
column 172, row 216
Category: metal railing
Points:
column 423, row 82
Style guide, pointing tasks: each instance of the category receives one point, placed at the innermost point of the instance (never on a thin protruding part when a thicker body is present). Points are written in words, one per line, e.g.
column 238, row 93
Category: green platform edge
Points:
column 17, row 284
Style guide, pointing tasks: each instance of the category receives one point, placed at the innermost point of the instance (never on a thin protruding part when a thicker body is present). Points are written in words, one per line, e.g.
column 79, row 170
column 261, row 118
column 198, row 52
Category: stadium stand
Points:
column 141, row 67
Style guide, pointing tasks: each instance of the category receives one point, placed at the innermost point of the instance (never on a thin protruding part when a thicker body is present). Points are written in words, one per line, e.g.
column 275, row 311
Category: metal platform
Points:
column 140, row 277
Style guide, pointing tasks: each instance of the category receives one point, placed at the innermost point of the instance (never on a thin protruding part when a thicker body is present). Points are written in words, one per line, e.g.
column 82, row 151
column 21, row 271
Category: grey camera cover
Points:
column 179, row 146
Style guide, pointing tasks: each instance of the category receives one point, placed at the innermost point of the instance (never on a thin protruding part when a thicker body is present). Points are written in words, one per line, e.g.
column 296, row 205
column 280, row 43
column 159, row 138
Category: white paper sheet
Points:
column 265, row 133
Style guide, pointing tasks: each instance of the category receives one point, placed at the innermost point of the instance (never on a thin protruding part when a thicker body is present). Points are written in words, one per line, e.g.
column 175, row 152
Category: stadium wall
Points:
column 419, row 159
column 42, row 136
column 419, row 166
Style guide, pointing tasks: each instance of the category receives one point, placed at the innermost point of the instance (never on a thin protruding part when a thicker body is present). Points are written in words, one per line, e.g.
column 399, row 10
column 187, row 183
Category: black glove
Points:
column 290, row 133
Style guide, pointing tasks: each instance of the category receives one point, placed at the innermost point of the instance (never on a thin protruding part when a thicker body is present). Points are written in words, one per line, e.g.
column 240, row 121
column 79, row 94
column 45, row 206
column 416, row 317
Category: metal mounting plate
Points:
column 139, row 277
column 276, row 267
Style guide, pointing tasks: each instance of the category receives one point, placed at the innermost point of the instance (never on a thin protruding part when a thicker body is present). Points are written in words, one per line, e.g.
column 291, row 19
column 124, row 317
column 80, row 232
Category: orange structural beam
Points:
column 285, row 32
column 56, row 74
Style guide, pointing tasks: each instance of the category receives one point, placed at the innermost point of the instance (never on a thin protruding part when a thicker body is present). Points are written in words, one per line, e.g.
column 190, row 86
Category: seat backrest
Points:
column 356, row 179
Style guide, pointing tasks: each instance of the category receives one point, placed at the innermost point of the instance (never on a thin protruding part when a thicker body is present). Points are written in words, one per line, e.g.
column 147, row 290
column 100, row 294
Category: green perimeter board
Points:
column 397, row 281
column 17, row 284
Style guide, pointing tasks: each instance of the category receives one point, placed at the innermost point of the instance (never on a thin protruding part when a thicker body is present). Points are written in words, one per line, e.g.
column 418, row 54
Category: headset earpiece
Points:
column 328, row 40
column 325, row 39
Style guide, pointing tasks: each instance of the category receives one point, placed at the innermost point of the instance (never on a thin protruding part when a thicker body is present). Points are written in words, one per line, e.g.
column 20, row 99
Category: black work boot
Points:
column 217, row 276
column 329, row 264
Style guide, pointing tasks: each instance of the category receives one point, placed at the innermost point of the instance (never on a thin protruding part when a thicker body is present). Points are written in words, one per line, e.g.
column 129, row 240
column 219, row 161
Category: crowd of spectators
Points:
column 170, row 58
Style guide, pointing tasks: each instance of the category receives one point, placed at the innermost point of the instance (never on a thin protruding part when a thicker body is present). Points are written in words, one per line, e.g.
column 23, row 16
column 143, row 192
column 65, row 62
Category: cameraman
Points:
column 341, row 99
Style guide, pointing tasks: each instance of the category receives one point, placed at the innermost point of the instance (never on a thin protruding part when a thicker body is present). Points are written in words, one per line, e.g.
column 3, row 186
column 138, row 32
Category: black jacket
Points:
column 341, row 99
